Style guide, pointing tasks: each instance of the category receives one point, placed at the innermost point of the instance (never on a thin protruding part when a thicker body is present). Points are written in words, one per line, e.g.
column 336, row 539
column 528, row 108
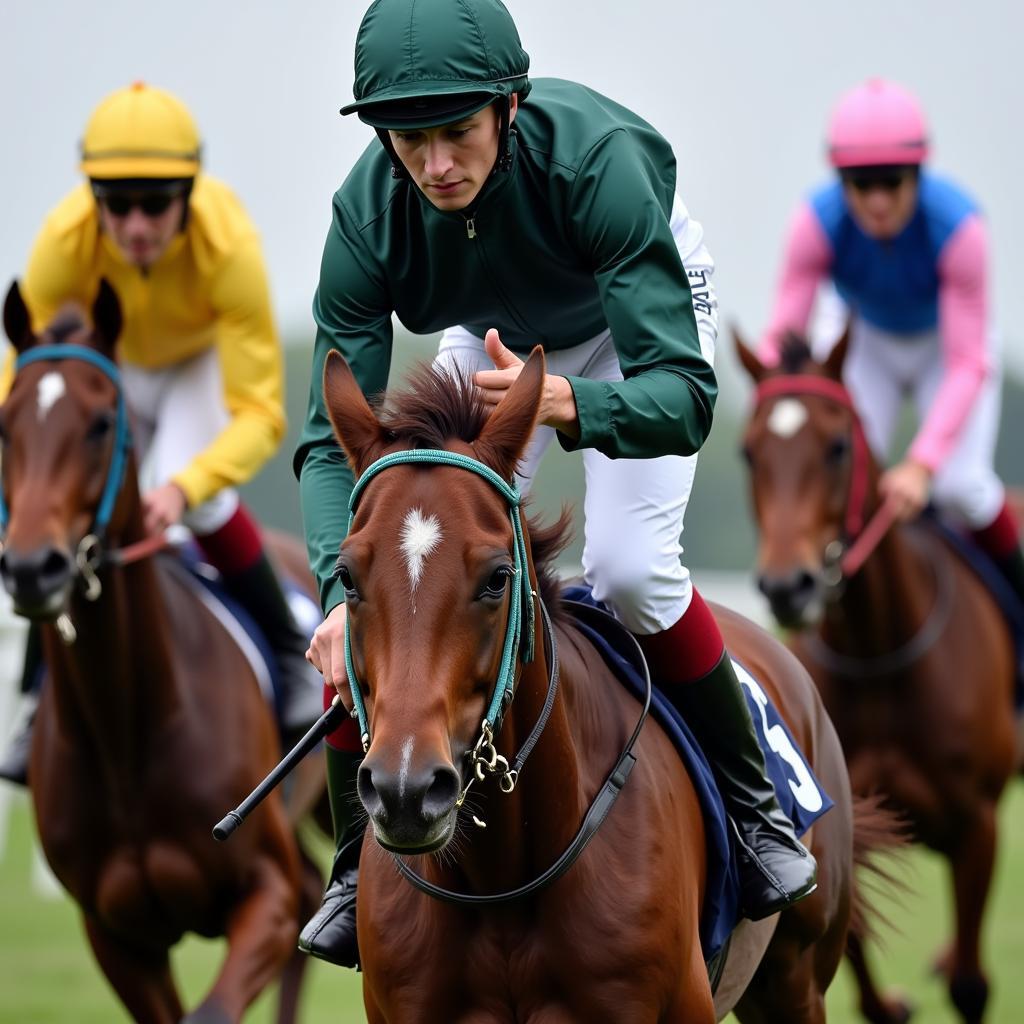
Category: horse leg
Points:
column 141, row 978
column 291, row 977
column 973, row 862
column 261, row 933
column 694, row 1003
column 874, row 1007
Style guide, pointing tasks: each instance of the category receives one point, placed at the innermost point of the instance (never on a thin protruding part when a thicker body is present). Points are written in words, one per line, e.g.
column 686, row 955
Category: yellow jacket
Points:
column 208, row 289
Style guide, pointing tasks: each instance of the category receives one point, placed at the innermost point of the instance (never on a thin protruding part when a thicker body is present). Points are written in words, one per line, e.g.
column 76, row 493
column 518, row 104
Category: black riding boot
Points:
column 776, row 869
column 14, row 766
column 1012, row 568
column 330, row 933
column 259, row 591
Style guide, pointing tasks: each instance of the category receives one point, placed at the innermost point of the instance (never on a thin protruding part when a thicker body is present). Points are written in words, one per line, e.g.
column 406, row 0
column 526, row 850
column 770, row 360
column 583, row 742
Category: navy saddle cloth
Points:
column 799, row 792
column 988, row 572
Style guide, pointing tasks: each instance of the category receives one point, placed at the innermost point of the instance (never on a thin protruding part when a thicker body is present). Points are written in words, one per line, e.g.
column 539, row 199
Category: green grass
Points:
column 47, row 975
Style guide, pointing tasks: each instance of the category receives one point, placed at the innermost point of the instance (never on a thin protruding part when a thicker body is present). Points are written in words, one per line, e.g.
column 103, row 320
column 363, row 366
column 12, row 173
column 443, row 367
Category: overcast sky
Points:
column 742, row 91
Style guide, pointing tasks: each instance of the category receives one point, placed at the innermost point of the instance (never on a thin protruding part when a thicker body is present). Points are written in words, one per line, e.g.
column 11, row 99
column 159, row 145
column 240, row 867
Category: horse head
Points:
column 811, row 475
column 62, row 430
column 430, row 570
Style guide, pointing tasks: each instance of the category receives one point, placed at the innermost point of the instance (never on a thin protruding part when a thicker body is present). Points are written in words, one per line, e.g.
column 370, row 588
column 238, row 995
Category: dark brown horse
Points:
column 152, row 719
column 431, row 575
column 910, row 653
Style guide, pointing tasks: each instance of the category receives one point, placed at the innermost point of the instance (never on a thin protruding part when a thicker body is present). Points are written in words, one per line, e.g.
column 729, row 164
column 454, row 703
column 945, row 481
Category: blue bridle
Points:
column 521, row 610
column 122, row 437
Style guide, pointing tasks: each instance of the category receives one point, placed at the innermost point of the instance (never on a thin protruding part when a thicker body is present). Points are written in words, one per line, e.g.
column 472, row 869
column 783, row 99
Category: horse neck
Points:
column 886, row 602
column 115, row 682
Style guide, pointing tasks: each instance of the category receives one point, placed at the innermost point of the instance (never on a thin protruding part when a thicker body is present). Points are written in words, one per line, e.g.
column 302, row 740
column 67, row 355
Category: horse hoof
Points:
column 899, row 1009
column 894, row 1008
column 207, row 1014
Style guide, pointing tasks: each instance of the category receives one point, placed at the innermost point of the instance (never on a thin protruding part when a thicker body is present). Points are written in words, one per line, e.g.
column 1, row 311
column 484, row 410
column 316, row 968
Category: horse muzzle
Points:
column 412, row 811
column 796, row 598
column 39, row 581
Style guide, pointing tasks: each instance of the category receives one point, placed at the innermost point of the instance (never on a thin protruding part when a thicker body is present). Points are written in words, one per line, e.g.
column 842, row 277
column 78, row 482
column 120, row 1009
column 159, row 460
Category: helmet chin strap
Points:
column 397, row 167
column 503, row 163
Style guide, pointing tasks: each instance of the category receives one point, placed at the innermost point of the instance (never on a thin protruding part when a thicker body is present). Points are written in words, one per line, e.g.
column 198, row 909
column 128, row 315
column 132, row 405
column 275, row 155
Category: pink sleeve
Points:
column 805, row 262
column 963, row 325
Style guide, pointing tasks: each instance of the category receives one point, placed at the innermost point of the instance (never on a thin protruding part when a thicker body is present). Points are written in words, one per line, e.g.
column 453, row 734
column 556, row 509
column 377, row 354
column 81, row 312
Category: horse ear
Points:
column 508, row 429
column 106, row 315
column 747, row 357
column 833, row 364
column 355, row 425
column 17, row 322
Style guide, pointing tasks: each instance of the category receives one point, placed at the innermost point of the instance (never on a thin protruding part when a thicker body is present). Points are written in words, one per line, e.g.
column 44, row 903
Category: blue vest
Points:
column 893, row 284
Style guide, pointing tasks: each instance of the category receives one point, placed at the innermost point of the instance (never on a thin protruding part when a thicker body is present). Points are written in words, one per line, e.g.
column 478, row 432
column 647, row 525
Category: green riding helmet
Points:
column 424, row 63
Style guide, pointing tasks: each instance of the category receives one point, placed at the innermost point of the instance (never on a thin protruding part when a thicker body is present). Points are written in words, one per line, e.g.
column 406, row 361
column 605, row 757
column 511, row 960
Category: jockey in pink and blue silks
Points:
column 908, row 253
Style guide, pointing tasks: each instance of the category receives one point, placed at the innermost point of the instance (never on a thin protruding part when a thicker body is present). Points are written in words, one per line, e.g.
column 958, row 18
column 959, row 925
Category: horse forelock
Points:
column 794, row 353
column 438, row 406
column 69, row 321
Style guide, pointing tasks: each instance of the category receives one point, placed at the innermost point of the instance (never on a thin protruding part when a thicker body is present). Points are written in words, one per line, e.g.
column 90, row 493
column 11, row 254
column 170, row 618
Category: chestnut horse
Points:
column 909, row 651
column 152, row 718
column 443, row 586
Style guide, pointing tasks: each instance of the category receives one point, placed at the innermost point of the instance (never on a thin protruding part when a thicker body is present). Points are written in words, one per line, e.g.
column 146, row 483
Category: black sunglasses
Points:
column 887, row 179
column 153, row 204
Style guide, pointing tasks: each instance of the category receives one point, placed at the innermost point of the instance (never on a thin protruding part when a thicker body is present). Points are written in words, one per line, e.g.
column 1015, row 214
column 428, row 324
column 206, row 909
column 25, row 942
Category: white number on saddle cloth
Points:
column 804, row 788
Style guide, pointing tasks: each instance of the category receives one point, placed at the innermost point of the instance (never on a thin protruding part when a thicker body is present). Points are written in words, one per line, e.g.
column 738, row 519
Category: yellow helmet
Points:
column 140, row 132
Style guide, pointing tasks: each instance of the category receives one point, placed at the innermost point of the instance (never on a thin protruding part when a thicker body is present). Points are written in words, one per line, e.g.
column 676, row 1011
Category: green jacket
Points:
column 573, row 240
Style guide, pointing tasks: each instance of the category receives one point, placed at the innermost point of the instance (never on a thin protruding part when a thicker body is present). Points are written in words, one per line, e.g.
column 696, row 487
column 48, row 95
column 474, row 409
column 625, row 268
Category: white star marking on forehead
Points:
column 51, row 387
column 787, row 417
column 420, row 536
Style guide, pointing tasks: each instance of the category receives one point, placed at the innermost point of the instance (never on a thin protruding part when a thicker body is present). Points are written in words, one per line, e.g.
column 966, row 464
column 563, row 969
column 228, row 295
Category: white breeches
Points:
column 633, row 508
column 883, row 369
column 176, row 412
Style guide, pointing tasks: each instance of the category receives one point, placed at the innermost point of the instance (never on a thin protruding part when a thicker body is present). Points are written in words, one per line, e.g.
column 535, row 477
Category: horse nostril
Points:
column 56, row 567
column 790, row 596
column 366, row 790
column 442, row 792
column 37, row 574
column 804, row 586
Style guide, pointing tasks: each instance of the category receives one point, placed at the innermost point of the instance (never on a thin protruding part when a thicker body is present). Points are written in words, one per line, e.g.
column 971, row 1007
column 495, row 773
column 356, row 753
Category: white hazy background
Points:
column 741, row 90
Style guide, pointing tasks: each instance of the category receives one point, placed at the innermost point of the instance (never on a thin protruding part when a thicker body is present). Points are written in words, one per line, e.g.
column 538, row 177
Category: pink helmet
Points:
column 878, row 122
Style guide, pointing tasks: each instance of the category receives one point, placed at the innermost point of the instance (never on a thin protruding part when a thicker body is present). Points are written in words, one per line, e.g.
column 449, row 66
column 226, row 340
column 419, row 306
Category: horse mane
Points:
column 794, row 352
column 439, row 405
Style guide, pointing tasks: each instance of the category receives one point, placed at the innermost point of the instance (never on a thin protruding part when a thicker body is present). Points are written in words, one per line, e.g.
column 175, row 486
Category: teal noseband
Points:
column 122, row 437
column 521, row 611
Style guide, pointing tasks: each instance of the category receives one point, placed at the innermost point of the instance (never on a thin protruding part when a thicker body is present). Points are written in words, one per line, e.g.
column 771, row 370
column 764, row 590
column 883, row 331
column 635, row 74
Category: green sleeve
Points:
column 665, row 403
column 352, row 310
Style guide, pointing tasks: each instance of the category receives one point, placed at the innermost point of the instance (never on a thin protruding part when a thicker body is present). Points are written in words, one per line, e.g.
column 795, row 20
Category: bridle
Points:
column 843, row 557
column 91, row 553
column 518, row 649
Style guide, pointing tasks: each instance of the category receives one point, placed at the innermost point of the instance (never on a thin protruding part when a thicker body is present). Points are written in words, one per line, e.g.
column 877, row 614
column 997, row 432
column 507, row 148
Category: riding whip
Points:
column 323, row 726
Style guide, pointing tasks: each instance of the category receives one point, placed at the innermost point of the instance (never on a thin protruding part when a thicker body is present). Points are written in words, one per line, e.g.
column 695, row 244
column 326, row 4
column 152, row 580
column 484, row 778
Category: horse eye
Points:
column 746, row 454
column 496, row 582
column 100, row 427
column 837, row 449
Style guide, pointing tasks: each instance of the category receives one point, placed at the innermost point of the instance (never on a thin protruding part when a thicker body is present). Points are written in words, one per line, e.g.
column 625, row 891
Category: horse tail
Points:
column 877, row 829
